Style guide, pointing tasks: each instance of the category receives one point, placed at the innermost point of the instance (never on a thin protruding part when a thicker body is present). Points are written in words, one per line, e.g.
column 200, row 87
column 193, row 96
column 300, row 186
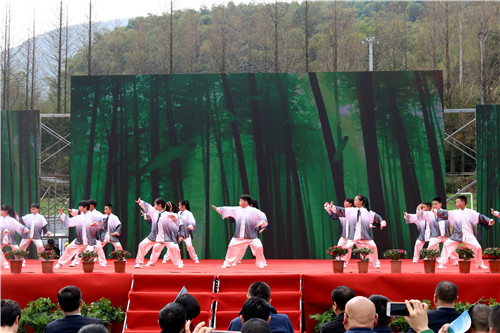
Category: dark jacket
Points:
column 70, row 324
column 335, row 326
column 439, row 317
column 279, row 323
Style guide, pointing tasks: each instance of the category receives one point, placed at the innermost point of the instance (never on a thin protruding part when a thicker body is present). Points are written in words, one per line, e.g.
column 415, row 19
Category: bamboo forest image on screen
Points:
column 292, row 141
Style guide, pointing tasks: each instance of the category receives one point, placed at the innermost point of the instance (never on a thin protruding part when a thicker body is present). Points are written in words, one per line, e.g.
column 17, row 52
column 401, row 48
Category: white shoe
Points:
column 58, row 266
column 164, row 261
column 103, row 265
column 415, row 261
column 455, row 263
column 138, row 266
column 377, row 266
column 345, row 264
column 24, row 263
column 196, row 261
column 6, row 266
column 441, row 266
column 225, row 266
column 180, row 266
column 150, row 264
column 234, row 264
column 483, row 267
column 72, row 265
column 260, row 266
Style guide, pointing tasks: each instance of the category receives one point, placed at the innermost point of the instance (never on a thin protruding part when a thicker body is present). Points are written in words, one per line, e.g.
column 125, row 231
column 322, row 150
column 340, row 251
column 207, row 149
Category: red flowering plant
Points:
column 337, row 252
column 395, row 254
column 363, row 253
column 48, row 255
column 120, row 254
column 492, row 253
column 465, row 253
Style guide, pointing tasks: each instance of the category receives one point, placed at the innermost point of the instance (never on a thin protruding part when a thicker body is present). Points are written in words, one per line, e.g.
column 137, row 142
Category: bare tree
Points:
column 6, row 59
column 33, row 62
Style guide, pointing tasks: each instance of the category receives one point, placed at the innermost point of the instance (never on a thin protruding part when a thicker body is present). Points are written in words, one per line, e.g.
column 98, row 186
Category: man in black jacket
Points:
column 70, row 302
column 340, row 296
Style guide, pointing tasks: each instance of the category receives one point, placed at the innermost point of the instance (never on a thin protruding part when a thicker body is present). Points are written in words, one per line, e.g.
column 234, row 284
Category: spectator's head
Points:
column 494, row 320
column 93, row 328
column 172, row 318
column 190, row 305
column 479, row 315
column 11, row 314
column 360, row 313
column 70, row 299
column 461, row 201
column 50, row 242
column 256, row 325
column 381, row 309
column 446, row 294
column 260, row 289
column 245, row 200
column 254, row 307
column 340, row 296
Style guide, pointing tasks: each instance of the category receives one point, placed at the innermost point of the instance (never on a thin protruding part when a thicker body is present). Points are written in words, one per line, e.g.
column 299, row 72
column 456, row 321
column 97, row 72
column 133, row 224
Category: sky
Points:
column 47, row 12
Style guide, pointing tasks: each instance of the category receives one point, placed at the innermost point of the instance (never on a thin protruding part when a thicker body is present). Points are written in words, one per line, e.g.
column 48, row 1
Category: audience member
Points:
column 360, row 315
column 93, row 328
column 279, row 323
column 10, row 315
column 418, row 318
column 190, row 305
column 340, row 296
column 256, row 325
column 50, row 245
column 70, row 301
column 254, row 307
column 494, row 320
column 384, row 321
column 172, row 318
column 479, row 315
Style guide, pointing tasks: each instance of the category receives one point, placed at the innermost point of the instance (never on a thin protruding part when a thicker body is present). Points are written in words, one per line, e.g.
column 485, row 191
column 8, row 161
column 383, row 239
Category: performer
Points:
column 361, row 219
column 423, row 227
column 348, row 202
column 464, row 222
column 112, row 228
column 440, row 228
column 8, row 227
column 186, row 219
column 248, row 221
column 85, row 233
column 255, row 204
column 164, row 232
column 36, row 223
column 97, row 216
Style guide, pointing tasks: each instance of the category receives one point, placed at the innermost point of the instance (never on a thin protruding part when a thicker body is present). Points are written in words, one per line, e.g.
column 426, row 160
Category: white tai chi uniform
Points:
column 8, row 227
column 464, row 223
column 164, row 232
column 360, row 221
column 36, row 223
column 111, row 224
column 245, row 234
column 186, row 219
column 440, row 232
column 424, row 233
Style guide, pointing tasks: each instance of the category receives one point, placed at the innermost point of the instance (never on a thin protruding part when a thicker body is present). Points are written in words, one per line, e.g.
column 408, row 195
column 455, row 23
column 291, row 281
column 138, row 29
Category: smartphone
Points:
column 397, row 309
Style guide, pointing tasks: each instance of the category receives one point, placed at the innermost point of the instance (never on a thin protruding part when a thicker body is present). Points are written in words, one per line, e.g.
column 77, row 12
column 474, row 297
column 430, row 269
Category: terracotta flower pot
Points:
column 338, row 266
column 88, row 266
column 16, row 266
column 429, row 266
column 363, row 266
column 494, row 266
column 48, row 266
column 396, row 266
column 120, row 266
column 464, row 266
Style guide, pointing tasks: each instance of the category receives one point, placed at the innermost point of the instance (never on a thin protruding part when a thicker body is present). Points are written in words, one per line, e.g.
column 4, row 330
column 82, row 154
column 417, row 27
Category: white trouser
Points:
column 26, row 242
column 143, row 249
column 100, row 252
column 117, row 245
column 434, row 245
column 70, row 251
column 190, row 248
column 237, row 244
column 173, row 251
column 342, row 242
column 450, row 246
column 419, row 245
column 361, row 243
column 3, row 261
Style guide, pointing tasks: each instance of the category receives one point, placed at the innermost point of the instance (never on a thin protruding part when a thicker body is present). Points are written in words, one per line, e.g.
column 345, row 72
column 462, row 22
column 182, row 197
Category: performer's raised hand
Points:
column 216, row 209
column 60, row 211
column 333, row 208
column 383, row 224
column 491, row 223
column 327, row 207
column 495, row 213
column 262, row 230
column 435, row 212
column 49, row 233
column 26, row 230
column 138, row 200
column 190, row 227
column 173, row 217
column 405, row 215
column 261, row 223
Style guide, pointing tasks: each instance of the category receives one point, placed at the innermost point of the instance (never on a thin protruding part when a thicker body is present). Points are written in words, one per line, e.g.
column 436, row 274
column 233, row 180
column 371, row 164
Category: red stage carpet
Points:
column 291, row 281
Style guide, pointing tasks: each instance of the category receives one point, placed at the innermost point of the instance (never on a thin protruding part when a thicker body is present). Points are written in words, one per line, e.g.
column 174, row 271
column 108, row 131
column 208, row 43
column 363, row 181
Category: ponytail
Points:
column 366, row 204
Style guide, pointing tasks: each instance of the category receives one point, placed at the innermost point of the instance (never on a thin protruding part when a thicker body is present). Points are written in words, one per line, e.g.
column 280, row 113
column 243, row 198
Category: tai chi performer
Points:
column 361, row 219
column 85, row 233
column 186, row 219
column 161, row 225
column 112, row 228
column 423, row 227
column 248, row 221
column 464, row 222
column 255, row 204
column 8, row 227
column 348, row 202
column 37, row 225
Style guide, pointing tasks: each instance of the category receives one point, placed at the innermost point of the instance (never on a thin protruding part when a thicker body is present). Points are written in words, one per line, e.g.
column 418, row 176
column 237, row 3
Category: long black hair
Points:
column 364, row 199
column 170, row 207
column 186, row 204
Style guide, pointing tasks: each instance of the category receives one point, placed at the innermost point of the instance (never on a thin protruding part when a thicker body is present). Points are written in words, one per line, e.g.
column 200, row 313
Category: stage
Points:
column 298, row 287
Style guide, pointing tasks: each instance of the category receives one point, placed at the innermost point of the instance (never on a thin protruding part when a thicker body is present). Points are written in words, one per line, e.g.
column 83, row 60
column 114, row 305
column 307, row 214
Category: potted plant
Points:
column 322, row 318
column 104, row 310
column 394, row 255
column 16, row 258
column 88, row 258
column 337, row 252
column 48, row 260
column 493, row 256
column 466, row 254
column 430, row 257
column 37, row 314
column 120, row 262
column 363, row 256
